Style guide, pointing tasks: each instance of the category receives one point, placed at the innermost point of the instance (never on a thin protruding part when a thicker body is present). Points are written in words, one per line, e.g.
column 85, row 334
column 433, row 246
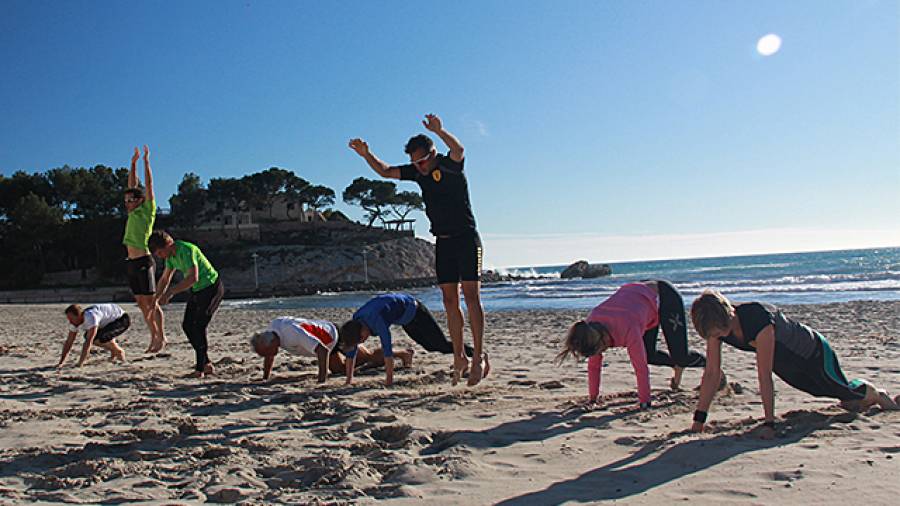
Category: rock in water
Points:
column 584, row 270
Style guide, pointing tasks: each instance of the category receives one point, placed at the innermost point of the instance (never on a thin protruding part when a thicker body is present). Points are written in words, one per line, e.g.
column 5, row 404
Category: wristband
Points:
column 700, row 416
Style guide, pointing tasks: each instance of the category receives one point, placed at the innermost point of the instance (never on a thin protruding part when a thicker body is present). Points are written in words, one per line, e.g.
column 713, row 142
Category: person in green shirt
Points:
column 201, row 279
column 140, row 267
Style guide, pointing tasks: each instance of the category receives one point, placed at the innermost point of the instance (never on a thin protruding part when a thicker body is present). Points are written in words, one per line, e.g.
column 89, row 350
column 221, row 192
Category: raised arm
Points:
column 148, row 174
column 382, row 168
column 712, row 375
column 88, row 341
column 433, row 123
column 67, row 347
column 132, row 173
column 765, row 357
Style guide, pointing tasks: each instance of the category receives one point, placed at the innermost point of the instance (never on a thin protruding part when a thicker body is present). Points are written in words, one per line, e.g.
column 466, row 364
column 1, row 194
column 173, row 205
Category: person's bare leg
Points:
column 366, row 359
column 405, row 356
column 336, row 363
column 159, row 319
column 675, row 382
column 115, row 352
column 450, row 292
column 472, row 293
column 145, row 303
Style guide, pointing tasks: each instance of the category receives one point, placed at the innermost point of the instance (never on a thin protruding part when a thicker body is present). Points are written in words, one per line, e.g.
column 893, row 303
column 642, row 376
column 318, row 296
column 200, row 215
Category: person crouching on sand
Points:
column 631, row 318
column 101, row 324
column 377, row 315
column 311, row 338
column 796, row 353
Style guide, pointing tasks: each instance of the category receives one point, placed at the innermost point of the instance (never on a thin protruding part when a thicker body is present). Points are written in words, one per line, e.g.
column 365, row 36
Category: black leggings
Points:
column 424, row 330
column 115, row 328
column 200, row 308
column 674, row 327
column 819, row 375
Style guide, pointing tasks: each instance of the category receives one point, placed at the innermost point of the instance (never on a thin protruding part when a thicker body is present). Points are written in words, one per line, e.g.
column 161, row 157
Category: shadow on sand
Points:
column 621, row 479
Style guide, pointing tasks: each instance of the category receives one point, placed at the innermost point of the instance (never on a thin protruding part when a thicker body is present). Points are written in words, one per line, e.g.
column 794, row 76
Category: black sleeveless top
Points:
column 790, row 337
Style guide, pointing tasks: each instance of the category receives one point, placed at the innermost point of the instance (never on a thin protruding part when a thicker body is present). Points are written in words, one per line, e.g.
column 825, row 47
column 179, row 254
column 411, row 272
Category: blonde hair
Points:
column 711, row 310
column 583, row 340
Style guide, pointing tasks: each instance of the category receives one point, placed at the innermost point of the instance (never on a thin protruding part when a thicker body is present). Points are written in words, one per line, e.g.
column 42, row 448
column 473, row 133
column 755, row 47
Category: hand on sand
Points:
column 135, row 156
column 360, row 146
column 433, row 123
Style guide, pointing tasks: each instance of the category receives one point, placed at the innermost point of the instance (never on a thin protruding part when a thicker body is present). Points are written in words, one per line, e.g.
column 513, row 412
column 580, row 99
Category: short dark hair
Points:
column 73, row 309
column 350, row 334
column 417, row 142
column 158, row 240
column 136, row 192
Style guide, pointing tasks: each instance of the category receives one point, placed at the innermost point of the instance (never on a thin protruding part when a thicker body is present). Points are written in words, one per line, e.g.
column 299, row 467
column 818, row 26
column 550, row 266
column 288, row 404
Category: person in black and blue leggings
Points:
column 797, row 354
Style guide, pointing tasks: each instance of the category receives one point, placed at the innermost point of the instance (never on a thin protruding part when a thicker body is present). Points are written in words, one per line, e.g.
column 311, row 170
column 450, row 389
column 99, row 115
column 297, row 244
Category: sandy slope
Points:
column 140, row 431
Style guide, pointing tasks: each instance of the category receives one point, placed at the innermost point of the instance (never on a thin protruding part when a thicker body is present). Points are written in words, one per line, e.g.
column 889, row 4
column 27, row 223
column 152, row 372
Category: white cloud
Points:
column 551, row 249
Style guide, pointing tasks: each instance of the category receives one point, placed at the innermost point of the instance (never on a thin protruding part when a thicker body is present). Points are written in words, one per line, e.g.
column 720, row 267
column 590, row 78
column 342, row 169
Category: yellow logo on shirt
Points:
column 436, row 175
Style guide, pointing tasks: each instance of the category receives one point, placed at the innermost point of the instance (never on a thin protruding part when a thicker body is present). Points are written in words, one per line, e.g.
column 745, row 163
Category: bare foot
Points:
column 159, row 345
column 151, row 347
column 409, row 360
column 209, row 370
column 475, row 373
column 120, row 356
column 675, row 382
column 886, row 403
column 195, row 374
column 487, row 366
column 460, row 365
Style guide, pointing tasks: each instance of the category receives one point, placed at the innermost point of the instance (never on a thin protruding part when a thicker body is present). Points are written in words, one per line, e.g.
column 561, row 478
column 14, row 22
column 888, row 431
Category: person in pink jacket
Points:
column 631, row 318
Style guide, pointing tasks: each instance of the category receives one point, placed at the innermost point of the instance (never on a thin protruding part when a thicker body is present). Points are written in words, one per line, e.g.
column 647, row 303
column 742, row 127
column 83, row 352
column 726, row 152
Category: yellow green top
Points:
column 188, row 255
column 140, row 225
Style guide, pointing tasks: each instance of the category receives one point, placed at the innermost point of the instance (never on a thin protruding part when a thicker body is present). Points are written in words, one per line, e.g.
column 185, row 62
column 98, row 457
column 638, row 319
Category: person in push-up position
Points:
column 101, row 324
column 796, row 353
column 312, row 338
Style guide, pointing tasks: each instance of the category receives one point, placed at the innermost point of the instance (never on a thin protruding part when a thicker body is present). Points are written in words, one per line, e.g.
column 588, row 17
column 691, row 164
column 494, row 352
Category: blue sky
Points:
column 599, row 130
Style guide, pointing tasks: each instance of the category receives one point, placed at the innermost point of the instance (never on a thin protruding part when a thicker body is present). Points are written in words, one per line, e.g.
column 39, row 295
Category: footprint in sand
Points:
column 522, row 383
column 392, row 434
column 552, row 385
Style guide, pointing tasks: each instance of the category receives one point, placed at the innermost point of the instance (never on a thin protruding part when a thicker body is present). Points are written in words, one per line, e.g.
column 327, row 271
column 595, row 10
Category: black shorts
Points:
column 116, row 328
column 141, row 275
column 458, row 258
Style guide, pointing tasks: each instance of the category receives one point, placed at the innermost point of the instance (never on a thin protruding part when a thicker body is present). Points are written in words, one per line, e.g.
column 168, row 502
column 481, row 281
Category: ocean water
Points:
column 792, row 278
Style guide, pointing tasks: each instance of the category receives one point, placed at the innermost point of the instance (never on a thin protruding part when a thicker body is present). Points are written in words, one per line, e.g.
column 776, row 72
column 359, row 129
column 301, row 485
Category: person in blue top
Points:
column 375, row 318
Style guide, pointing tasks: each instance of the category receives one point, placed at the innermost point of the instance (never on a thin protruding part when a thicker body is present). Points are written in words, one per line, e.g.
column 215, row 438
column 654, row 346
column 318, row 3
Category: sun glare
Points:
column 768, row 44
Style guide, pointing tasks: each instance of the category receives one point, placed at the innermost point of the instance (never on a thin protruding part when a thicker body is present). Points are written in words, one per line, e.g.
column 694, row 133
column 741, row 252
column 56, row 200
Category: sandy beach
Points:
column 139, row 431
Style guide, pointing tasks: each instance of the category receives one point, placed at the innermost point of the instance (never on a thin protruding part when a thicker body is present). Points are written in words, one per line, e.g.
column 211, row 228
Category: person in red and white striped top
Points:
column 311, row 338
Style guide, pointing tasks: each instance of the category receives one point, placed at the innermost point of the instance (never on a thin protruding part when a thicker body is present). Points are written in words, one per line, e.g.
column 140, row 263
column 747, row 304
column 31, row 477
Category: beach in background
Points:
column 790, row 278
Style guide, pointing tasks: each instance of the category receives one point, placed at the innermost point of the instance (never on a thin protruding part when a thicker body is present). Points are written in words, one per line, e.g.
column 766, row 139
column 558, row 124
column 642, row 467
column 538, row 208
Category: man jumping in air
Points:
column 458, row 250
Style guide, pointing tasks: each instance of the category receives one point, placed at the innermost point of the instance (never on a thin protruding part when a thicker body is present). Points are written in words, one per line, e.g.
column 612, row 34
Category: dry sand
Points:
column 140, row 432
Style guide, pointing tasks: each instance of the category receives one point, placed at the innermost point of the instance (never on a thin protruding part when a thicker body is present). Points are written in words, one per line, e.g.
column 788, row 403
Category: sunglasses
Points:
column 132, row 199
column 423, row 159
